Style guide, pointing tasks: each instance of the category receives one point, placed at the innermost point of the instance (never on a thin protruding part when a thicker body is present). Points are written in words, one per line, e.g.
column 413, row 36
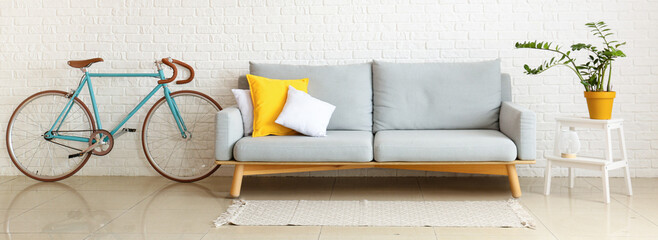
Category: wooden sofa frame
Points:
column 259, row 168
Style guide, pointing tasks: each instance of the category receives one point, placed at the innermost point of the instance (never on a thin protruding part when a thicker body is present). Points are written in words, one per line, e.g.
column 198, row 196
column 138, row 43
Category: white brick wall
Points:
column 219, row 37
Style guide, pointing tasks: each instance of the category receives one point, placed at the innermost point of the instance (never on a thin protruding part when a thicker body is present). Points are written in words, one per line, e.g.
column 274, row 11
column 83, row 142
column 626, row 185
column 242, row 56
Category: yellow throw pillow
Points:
column 269, row 97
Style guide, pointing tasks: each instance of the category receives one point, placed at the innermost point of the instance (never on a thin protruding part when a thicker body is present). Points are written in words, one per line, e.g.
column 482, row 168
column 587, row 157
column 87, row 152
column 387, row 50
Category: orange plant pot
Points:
column 599, row 104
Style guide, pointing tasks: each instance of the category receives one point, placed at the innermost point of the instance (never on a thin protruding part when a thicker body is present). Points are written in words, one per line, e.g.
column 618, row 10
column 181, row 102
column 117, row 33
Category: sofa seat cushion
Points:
column 337, row 146
column 443, row 145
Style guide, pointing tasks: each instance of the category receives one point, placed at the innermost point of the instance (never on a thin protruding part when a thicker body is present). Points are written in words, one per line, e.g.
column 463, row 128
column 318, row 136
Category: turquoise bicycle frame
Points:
column 86, row 81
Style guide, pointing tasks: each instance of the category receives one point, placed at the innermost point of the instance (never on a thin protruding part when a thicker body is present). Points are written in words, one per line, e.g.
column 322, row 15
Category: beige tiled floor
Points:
column 155, row 208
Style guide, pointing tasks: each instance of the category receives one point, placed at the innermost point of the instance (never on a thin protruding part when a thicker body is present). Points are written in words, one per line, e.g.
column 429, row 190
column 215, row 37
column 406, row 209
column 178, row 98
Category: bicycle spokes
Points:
column 182, row 157
column 41, row 157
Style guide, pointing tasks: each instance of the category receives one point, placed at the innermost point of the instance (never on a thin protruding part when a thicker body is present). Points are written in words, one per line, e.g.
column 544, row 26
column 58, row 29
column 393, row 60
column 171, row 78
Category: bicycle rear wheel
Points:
column 182, row 159
column 48, row 159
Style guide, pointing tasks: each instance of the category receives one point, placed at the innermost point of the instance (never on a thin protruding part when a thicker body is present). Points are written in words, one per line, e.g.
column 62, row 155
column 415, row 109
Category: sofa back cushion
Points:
column 412, row 96
column 348, row 87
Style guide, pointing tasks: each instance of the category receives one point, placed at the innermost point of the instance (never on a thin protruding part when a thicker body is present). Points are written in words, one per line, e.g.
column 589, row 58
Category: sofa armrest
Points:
column 519, row 124
column 229, row 130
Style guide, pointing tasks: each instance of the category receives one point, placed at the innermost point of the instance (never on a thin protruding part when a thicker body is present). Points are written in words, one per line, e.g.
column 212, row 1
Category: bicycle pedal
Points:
column 124, row 130
column 76, row 155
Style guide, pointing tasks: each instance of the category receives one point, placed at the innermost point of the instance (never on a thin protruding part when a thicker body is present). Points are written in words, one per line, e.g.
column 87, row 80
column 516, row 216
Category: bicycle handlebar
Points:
column 170, row 63
column 185, row 65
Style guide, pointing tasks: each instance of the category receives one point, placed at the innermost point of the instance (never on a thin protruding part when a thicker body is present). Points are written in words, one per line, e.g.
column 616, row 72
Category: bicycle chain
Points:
column 63, row 145
column 73, row 131
column 50, row 140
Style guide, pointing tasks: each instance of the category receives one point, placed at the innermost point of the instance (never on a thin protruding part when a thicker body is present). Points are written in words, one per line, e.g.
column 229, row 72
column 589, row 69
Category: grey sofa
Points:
column 451, row 117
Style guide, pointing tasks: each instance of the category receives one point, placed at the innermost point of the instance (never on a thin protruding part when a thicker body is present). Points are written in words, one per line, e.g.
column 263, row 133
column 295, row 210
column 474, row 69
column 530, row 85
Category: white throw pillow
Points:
column 246, row 106
column 305, row 114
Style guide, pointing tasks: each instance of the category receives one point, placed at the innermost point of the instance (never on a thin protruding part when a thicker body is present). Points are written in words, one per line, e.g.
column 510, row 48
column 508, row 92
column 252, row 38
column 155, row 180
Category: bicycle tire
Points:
column 175, row 145
column 59, row 97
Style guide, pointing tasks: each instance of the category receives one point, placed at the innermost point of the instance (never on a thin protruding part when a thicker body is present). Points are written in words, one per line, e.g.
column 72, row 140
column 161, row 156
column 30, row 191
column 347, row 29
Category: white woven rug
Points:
column 508, row 213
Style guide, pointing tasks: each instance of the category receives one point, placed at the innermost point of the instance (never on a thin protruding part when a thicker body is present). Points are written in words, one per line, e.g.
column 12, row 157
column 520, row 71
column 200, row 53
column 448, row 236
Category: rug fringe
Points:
column 522, row 214
column 230, row 214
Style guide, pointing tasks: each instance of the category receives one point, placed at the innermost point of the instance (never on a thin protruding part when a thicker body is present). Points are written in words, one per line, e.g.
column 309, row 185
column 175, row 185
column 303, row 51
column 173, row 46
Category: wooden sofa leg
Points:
column 513, row 180
column 237, row 180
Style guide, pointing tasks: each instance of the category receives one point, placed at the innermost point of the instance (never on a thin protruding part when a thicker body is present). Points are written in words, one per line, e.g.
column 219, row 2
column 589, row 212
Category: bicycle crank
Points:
column 101, row 143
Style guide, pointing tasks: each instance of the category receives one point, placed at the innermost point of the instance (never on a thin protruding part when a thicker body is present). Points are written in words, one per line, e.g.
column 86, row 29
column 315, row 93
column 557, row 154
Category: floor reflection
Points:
column 134, row 214
column 80, row 218
column 156, row 208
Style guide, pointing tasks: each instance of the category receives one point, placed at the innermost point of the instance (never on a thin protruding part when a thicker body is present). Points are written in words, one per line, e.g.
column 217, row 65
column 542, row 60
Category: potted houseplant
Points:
column 595, row 74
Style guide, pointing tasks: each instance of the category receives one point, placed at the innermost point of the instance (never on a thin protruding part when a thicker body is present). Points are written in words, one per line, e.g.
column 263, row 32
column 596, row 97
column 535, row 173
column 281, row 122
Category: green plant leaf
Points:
column 592, row 72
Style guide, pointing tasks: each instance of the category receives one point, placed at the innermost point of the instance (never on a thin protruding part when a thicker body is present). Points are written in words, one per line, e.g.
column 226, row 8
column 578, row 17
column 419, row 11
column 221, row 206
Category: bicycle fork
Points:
column 176, row 113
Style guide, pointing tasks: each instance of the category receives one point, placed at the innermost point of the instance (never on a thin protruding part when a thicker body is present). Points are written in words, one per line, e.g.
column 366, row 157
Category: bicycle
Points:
column 52, row 134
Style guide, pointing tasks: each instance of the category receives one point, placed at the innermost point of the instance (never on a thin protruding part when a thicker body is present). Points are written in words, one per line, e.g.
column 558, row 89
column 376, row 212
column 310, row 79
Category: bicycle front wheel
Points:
column 181, row 158
column 35, row 155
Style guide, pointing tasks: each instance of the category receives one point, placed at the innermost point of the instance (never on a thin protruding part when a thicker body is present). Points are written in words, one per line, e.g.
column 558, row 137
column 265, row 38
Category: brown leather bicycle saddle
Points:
column 84, row 63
